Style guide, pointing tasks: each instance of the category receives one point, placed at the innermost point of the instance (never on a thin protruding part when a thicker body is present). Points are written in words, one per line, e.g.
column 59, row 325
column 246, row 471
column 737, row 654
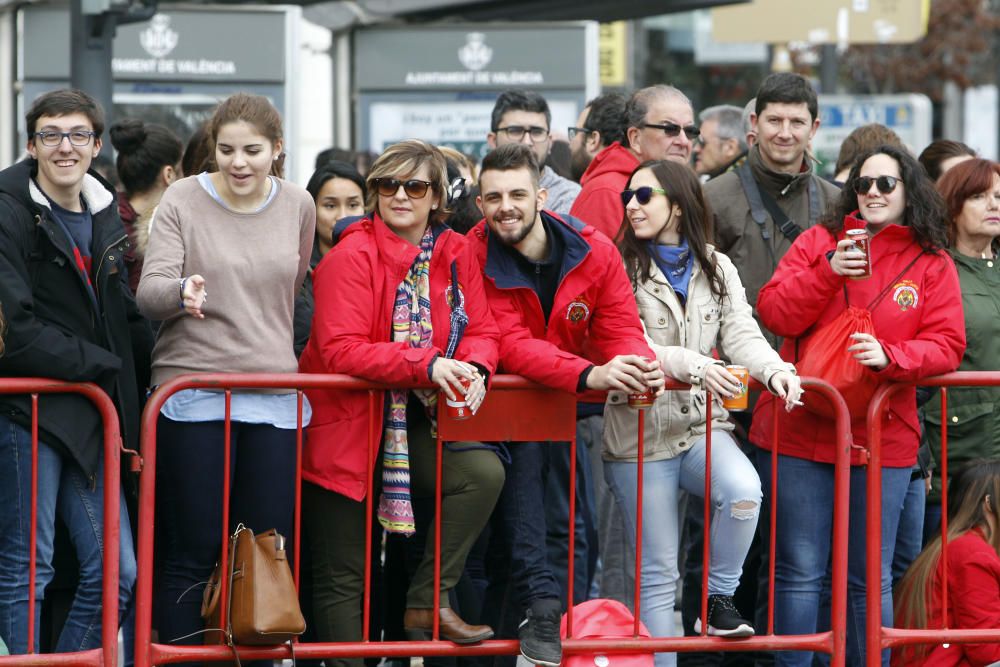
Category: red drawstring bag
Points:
column 826, row 357
column 604, row 619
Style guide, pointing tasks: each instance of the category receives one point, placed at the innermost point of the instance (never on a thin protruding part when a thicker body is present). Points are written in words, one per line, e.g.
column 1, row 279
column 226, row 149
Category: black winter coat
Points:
column 53, row 329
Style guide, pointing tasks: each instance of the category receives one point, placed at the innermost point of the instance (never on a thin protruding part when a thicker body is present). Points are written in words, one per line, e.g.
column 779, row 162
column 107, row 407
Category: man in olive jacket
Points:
column 776, row 178
column 69, row 315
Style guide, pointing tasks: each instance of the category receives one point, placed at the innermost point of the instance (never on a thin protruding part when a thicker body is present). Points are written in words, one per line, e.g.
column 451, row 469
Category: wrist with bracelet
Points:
column 182, row 283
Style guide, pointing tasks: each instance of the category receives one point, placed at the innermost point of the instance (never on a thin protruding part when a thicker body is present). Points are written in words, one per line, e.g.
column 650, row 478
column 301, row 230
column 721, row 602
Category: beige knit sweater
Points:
column 253, row 265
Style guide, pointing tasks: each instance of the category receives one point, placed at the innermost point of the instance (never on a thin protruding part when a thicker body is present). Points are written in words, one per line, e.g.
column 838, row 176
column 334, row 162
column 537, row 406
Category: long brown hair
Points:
column 968, row 489
column 924, row 211
column 684, row 189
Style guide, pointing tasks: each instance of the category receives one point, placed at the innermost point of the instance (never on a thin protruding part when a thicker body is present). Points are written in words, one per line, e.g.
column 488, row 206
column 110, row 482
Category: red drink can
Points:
column 861, row 244
column 741, row 400
column 459, row 409
column 644, row 399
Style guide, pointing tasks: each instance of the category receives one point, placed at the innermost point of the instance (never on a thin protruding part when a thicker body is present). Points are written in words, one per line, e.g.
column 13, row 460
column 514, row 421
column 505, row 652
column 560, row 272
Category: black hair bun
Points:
column 128, row 135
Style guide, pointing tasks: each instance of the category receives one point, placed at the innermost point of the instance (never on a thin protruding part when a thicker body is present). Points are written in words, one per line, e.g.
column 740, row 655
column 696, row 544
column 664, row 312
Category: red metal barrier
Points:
column 877, row 635
column 108, row 652
column 542, row 414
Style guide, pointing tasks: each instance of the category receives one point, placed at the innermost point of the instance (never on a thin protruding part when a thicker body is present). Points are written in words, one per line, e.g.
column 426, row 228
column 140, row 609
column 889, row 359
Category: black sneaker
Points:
column 539, row 633
column 724, row 620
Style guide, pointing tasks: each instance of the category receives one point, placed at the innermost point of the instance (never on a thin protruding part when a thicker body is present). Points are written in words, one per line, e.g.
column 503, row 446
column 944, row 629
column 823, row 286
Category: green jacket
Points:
column 973, row 412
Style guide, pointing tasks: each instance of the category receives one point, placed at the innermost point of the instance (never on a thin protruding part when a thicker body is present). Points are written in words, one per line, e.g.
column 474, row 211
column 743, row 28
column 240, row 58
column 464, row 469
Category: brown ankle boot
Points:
column 419, row 624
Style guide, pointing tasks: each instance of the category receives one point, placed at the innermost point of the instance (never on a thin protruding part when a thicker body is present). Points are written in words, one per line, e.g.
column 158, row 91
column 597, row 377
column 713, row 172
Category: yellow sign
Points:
column 824, row 22
column 613, row 53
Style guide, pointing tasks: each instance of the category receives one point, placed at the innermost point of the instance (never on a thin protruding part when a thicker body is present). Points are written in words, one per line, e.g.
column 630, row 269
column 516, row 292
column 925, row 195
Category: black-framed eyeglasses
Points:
column 517, row 132
column 884, row 184
column 642, row 195
column 673, row 130
column 414, row 188
column 573, row 131
column 52, row 138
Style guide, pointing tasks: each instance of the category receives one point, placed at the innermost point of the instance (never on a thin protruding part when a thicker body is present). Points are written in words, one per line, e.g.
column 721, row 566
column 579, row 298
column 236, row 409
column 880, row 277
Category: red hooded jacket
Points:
column 599, row 203
column 593, row 318
column 355, row 286
column 919, row 324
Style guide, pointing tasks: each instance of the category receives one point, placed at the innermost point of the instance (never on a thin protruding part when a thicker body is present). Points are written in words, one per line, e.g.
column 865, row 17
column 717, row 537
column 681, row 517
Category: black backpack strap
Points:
column 757, row 210
column 781, row 220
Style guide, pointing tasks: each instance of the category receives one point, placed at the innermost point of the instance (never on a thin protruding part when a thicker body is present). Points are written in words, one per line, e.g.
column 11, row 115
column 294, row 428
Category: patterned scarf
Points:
column 411, row 323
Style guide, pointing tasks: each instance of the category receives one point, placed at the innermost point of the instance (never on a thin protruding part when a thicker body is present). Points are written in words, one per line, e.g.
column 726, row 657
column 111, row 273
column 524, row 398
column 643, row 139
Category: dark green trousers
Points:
column 471, row 482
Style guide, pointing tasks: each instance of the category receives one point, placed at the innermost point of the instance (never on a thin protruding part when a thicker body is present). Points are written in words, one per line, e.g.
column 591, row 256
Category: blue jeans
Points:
column 557, row 518
column 63, row 489
column 803, row 543
column 734, row 482
column 910, row 534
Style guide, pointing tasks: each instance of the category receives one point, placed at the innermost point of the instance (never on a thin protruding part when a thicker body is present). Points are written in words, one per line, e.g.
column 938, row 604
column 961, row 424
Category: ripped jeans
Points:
column 736, row 497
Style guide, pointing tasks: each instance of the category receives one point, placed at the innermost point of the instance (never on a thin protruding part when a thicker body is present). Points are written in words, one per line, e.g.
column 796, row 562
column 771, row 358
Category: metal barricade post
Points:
column 542, row 415
column 876, row 634
column 108, row 652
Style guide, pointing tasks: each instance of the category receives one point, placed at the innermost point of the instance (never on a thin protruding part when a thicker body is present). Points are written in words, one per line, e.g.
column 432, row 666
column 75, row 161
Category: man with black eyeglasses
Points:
column 658, row 124
column 601, row 124
column 69, row 315
column 523, row 117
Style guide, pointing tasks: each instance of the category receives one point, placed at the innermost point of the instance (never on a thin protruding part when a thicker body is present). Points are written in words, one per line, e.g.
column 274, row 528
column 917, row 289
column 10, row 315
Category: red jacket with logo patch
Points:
column 919, row 324
column 593, row 318
column 355, row 288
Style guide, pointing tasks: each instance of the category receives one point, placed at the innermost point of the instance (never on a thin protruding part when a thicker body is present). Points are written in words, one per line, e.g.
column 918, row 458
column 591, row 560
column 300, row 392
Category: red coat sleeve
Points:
column 535, row 358
column 974, row 596
column 601, row 208
column 346, row 322
column 801, row 287
column 481, row 342
column 940, row 341
column 615, row 327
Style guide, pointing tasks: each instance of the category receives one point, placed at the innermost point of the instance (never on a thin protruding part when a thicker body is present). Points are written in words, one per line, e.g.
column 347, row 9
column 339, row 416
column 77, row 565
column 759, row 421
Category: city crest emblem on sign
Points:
column 475, row 55
column 158, row 39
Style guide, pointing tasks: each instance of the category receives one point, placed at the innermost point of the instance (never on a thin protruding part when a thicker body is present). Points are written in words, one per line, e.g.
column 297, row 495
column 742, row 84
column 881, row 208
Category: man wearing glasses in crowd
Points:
column 659, row 122
column 523, row 117
column 69, row 315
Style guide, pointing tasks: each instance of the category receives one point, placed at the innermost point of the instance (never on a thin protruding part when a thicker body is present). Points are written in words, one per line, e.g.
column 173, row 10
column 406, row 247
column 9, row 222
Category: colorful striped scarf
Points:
column 411, row 323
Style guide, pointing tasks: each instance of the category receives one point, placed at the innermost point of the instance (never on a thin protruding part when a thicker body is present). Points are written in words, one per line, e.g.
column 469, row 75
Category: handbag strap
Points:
column 885, row 290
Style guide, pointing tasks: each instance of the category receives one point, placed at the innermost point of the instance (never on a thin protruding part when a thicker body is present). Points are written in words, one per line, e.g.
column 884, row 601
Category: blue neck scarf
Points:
column 676, row 262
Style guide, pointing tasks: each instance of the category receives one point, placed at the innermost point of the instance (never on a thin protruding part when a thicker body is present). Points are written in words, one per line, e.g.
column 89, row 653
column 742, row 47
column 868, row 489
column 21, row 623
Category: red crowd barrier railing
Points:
column 515, row 410
column 107, row 654
column 877, row 634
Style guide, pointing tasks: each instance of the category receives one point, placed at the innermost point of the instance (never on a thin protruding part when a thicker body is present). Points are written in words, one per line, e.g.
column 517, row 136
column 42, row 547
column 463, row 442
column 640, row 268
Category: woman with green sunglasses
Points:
column 691, row 302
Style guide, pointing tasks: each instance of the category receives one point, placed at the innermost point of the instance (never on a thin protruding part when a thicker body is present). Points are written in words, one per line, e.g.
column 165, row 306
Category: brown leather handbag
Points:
column 263, row 607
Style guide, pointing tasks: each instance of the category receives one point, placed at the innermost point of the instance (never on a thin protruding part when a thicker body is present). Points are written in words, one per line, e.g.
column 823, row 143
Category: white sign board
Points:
column 981, row 107
column 462, row 125
column 909, row 116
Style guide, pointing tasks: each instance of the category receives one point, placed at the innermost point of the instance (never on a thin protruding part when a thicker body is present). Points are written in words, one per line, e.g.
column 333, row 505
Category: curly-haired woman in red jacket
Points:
column 916, row 310
column 973, row 575
column 398, row 301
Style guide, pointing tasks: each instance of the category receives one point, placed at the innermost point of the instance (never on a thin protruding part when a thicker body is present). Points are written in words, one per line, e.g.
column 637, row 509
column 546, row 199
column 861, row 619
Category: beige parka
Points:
column 683, row 339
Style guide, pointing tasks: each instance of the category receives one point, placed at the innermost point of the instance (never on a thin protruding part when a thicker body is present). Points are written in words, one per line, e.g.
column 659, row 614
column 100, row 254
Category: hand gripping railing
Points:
column 877, row 635
column 107, row 654
column 516, row 410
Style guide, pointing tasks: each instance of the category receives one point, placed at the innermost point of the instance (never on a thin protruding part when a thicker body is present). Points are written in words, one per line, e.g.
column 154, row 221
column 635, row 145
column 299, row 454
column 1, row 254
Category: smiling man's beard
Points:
column 514, row 239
